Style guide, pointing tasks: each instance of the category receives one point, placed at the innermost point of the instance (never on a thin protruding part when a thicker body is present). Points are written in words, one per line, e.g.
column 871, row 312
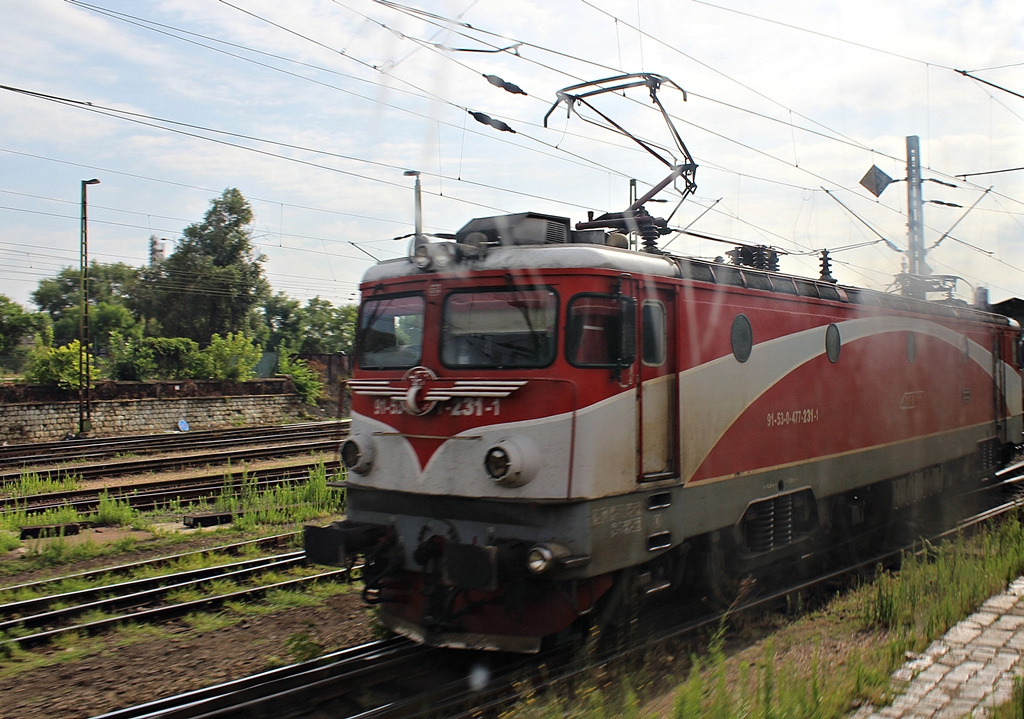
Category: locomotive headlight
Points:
column 421, row 257
column 497, row 463
column 513, row 461
column 433, row 255
column 357, row 454
column 442, row 254
column 542, row 557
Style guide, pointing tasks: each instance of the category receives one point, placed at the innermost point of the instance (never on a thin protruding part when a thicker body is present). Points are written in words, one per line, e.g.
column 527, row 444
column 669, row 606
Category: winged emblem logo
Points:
column 420, row 391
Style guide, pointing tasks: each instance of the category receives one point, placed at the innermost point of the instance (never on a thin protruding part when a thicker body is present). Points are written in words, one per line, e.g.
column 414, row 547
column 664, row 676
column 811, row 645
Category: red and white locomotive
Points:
column 546, row 423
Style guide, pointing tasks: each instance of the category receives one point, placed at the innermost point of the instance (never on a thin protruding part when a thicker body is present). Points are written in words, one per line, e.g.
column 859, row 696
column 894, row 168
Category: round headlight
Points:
column 497, row 463
column 421, row 257
column 442, row 255
column 540, row 559
column 357, row 454
column 513, row 461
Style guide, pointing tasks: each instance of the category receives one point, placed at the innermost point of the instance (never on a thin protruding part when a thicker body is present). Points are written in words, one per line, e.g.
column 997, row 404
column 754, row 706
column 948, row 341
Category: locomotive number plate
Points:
column 798, row 416
column 472, row 407
column 457, row 407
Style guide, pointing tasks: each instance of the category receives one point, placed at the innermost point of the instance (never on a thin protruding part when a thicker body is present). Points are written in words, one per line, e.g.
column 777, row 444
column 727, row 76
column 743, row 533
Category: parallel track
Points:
column 38, row 620
column 46, row 454
column 279, row 691
column 284, row 694
column 147, row 496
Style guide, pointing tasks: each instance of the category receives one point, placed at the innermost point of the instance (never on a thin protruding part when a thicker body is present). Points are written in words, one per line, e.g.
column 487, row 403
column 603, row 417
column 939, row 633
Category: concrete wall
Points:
column 52, row 419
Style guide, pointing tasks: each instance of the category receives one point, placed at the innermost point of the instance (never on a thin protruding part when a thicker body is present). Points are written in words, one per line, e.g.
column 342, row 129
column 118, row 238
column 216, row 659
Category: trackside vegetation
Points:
column 826, row 664
column 253, row 507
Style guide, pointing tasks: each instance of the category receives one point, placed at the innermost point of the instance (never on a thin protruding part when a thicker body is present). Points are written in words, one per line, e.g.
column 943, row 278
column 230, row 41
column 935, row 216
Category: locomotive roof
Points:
column 595, row 256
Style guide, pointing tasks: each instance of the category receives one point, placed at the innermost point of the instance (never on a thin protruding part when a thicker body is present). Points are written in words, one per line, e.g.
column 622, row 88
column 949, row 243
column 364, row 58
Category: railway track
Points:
column 46, row 614
column 279, row 691
column 343, row 684
column 148, row 496
column 100, row 462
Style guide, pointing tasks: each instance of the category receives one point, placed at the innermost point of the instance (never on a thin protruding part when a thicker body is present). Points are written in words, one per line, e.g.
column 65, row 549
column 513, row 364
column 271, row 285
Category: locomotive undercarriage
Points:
column 466, row 580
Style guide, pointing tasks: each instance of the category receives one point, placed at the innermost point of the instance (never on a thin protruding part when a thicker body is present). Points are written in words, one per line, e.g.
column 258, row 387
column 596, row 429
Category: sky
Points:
column 314, row 110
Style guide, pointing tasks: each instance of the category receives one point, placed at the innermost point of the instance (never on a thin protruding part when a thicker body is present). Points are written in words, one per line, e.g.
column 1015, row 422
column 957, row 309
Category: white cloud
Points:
column 412, row 115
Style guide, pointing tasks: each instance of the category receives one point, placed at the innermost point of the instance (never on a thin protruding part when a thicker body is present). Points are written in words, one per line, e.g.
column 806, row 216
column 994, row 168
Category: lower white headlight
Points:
column 543, row 557
column 513, row 461
column 357, row 454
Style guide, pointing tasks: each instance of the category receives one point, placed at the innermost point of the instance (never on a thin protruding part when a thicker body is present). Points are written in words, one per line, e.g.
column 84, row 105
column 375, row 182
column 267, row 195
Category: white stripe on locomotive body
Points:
column 457, row 466
column 594, row 453
column 714, row 386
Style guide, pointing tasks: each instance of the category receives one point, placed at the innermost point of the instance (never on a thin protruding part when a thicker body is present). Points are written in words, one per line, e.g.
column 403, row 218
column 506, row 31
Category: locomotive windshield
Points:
column 499, row 328
column 390, row 332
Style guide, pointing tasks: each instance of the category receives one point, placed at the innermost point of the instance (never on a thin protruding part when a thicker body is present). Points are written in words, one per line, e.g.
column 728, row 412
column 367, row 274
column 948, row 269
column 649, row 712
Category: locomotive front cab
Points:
column 493, row 446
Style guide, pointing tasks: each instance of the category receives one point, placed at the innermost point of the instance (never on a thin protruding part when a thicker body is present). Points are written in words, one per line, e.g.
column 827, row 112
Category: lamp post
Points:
column 84, row 408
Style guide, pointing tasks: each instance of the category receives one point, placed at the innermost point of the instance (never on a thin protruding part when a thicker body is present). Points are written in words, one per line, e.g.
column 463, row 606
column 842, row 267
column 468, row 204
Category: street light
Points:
column 84, row 408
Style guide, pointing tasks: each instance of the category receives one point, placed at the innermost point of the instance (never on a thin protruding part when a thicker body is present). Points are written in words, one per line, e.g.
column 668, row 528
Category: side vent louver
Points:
column 556, row 233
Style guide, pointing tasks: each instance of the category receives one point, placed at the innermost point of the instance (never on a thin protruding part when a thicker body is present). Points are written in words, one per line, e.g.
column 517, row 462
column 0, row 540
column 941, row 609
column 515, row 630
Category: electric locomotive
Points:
column 548, row 426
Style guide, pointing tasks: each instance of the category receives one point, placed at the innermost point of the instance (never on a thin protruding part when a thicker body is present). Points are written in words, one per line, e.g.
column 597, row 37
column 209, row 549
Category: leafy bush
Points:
column 308, row 382
column 177, row 358
column 130, row 358
column 59, row 366
column 138, row 359
column 233, row 358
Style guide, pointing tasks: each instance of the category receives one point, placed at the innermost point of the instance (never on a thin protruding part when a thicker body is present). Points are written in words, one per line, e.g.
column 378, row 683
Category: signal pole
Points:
column 84, row 408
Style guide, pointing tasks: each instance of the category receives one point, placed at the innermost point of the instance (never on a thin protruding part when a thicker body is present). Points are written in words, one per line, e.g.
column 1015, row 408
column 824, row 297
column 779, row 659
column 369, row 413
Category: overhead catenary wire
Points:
column 646, row 26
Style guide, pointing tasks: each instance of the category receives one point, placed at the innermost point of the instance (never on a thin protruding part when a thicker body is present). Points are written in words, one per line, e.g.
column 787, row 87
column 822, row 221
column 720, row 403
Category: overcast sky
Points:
column 314, row 108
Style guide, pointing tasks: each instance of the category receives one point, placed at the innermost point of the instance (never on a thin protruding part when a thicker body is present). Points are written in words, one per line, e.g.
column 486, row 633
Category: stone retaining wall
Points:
column 45, row 421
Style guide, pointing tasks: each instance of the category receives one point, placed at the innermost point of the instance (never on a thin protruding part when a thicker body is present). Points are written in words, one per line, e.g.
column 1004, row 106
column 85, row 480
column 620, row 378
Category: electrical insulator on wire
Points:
column 488, row 120
column 826, row 268
column 507, row 86
column 773, row 261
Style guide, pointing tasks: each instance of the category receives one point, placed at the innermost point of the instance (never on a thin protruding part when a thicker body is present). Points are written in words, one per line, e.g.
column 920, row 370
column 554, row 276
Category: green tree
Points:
column 283, row 317
column 326, row 328
column 318, row 327
column 213, row 282
column 15, row 324
column 111, row 295
column 104, row 319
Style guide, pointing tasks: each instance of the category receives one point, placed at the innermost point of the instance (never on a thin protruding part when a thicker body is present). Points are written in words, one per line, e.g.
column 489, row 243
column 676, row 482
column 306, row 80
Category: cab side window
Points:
column 594, row 331
column 652, row 318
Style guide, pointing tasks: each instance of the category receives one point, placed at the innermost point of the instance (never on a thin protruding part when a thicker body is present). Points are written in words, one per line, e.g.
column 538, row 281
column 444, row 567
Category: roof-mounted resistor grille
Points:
column 556, row 233
column 524, row 228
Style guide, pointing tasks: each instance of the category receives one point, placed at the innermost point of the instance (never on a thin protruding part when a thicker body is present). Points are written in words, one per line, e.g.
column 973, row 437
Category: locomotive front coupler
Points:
column 338, row 543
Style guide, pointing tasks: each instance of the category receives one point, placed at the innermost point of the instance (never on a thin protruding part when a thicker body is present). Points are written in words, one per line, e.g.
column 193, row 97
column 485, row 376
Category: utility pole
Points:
column 915, row 211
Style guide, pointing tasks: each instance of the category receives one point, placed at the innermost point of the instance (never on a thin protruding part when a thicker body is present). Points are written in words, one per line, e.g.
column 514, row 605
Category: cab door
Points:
column 656, row 390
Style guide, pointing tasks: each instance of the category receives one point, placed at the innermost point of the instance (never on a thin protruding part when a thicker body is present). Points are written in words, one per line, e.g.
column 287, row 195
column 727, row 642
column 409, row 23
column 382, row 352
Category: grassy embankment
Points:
column 825, row 664
column 258, row 513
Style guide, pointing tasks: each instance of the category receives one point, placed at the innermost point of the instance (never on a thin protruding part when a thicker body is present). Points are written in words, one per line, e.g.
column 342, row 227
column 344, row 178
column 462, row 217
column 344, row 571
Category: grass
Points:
column 1014, row 709
column 116, row 512
column 280, row 504
column 821, row 666
column 255, row 510
column 14, row 521
column 30, row 483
